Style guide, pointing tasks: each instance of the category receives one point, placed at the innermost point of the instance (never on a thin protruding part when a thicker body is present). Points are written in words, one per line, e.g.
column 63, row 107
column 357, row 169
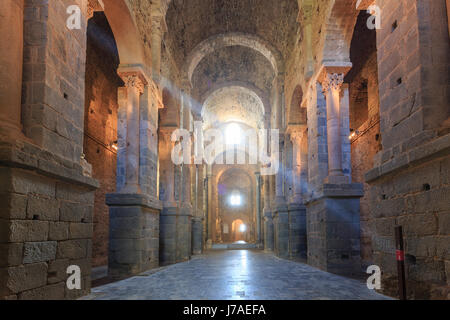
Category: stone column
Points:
column 332, row 79
column 135, row 81
column 167, row 172
column 168, row 218
column 333, row 210
column 11, row 63
column 184, row 220
column 280, row 220
column 134, row 213
column 296, row 207
column 296, row 138
column 210, row 207
column 258, row 208
column 267, row 214
column 197, row 220
column 205, row 208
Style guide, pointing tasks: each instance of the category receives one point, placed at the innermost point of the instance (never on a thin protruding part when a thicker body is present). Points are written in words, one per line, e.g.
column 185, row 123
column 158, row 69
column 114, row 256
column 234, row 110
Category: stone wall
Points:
column 47, row 221
column 46, row 226
column 53, row 78
column 417, row 199
column 100, row 128
column 409, row 181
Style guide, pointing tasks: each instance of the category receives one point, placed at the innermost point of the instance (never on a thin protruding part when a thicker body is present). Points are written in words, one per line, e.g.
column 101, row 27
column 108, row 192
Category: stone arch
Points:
column 237, row 95
column 296, row 114
column 227, row 40
column 339, row 27
column 248, row 216
column 125, row 32
column 169, row 116
column 261, row 94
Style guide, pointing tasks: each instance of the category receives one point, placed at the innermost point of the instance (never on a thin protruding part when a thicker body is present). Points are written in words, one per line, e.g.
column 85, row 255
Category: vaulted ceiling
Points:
column 266, row 31
column 192, row 21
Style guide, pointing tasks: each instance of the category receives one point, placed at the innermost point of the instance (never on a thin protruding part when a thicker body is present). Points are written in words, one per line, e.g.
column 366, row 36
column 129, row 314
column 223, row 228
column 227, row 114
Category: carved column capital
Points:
column 133, row 77
column 332, row 81
column 133, row 81
column 296, row 137
column 331, row 75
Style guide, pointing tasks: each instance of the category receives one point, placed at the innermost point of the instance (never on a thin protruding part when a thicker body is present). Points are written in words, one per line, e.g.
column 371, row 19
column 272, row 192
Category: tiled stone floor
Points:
column 236, row 275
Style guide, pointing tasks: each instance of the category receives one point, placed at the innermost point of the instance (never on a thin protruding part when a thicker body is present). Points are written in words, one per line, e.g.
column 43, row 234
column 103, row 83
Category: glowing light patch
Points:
column 233, row 134
column 236, row 200
column 242, row 228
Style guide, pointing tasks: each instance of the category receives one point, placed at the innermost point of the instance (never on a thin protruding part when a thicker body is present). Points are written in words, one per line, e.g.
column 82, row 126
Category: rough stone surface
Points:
column 39, row 251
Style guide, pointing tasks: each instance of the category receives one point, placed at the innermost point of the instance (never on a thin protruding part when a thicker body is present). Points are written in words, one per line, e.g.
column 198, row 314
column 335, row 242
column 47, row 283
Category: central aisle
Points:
column 236, row 275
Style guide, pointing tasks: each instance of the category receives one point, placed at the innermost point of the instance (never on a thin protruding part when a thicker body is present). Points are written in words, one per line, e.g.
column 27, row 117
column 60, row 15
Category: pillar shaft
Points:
column 332, row 79
column 332, row 88
column 211, row 223
column 135, row 83
column 296, row 166
column 258, row 206
column 167, row 169
column 11, row 63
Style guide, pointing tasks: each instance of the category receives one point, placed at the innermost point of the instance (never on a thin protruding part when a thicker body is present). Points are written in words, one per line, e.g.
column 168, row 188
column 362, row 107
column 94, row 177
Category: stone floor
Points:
column 236, row 275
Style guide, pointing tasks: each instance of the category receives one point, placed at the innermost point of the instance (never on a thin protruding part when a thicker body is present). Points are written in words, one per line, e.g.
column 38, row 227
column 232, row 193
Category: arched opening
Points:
column 364, row 107
column 239, row 231
column 296, row 114
column 100, row 126
column 236, row 215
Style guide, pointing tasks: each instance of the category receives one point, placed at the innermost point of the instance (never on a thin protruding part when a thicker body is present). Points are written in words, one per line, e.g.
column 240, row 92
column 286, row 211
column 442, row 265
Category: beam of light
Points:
column 242, row 228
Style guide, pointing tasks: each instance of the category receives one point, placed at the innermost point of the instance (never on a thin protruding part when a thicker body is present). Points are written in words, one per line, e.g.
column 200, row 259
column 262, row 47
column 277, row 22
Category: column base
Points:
column 337, row 179
column 184, row 234
column 268, row 231
column 134, row 234
column 168, row 236
column 281, row 230
column 297, row 231
column 197, row 233
column 334, row 229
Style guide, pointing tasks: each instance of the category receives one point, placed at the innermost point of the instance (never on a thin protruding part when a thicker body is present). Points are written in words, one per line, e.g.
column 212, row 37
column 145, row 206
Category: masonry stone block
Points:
column 72, row 249
column 80, row 230
column 11, row 254
column 75, row 212
column 57, row 271
column 58, row 231
column 39, row 251
column 28, row 230
column 42, row 209
column 50, row 292
column 15, row 206
column 21, row 278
